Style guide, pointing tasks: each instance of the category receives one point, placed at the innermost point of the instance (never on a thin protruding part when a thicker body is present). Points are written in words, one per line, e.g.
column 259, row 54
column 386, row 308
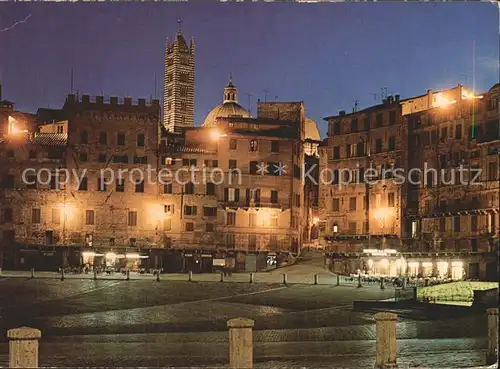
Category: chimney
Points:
column 390, row 99
column 99, row 99
column 141, row 102
column 0, row 92
column 85, row 99
column 113, row 100
column 342, row 112
column 127, row 101
column 396, row 98
column 429, row 98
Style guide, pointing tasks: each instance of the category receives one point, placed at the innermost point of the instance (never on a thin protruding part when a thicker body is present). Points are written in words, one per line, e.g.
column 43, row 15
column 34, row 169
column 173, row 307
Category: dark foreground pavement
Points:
column 177, row 323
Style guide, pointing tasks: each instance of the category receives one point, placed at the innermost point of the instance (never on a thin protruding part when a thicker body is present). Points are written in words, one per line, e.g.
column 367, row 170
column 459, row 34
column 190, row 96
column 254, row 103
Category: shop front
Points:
column 383, row 263
column 133, row 261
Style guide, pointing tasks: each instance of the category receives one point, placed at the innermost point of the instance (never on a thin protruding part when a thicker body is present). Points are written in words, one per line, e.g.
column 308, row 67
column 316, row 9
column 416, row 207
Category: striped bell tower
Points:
column 178, row 102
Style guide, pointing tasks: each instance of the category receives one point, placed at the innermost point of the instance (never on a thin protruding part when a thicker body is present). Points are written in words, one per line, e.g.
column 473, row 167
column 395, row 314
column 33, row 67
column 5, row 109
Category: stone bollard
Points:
column 492, row 354
column 222, row 276
column 240, row 343
column 23, row 347
column 190, row 276
column 386, row 340
column 285, row 278
column 382, row 284
column 338, row 280
column 32, row 273
column 62, row 274
column 316, row 279
column 251, row 277
column 128, row 275
column 95, row 275
column 359, row 281
column 426, row 282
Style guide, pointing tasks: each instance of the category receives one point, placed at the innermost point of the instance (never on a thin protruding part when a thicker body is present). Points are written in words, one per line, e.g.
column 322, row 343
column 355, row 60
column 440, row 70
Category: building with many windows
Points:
column 119, row 183
column 428, row 219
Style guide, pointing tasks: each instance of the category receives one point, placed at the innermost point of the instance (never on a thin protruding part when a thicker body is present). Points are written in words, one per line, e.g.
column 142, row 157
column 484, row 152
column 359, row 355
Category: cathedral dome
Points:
column 228, row 108
column 225, row 110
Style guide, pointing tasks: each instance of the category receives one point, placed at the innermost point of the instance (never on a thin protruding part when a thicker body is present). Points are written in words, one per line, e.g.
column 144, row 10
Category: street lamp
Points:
column 381, row 214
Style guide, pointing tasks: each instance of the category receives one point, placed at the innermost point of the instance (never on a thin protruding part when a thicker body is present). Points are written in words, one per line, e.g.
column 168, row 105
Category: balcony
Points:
column 247, row 204
column 467, row 208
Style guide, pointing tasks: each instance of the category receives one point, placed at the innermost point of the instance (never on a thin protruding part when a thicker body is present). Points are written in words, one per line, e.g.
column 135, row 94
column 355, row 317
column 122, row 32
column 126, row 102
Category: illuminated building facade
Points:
column 365, row 144
column 244, row 200
column 450, row 213
column 441, row 228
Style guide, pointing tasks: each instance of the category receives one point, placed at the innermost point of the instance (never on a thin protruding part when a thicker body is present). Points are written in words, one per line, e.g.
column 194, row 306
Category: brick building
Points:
column 436, row 227
column 204, row 199
column 359, row 214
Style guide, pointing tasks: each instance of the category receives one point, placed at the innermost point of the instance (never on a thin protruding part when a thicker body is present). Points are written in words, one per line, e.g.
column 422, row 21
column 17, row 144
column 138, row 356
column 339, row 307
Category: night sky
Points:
column 327, row 55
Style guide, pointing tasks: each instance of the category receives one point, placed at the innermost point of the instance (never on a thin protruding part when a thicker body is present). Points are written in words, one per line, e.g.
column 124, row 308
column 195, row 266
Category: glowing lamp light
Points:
column 426, row 264
column 68, row 210
column 264, row 217
column 370, row 263
column 215, row 134
column 13, row 127
column 442, row 267
column 335, row 228
column 384, row 263
column 456, row 264
column 315, row 220
column 88, row 254
column 442, row 100
column 157, row 212
column 413, row 264
column 381, row 213
column 470, row 95
column 110, row 255
column 132, row 256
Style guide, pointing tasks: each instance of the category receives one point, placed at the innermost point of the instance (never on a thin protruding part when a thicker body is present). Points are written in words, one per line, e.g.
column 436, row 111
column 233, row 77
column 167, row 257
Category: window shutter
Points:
column 237, row 194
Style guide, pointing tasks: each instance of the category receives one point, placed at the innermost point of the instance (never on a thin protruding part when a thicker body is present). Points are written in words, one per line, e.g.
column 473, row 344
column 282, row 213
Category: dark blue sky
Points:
column 327, row 55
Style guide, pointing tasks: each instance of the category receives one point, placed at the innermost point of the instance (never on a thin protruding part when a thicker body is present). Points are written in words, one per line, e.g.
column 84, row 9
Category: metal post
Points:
column 386, row 340
column 128, row 275
column 95, row 274
column 23, row 347
column 284, row 278
column 240, row 343
column 222, row 276
column 382, row 285
column 190, row 276
column 316, row 279
column 359, row 281
column 404, row 283
column 492, row 354
column 158, row 276
column 251, row 277
column 338, row 280
column 62, row 274
column 32, row 273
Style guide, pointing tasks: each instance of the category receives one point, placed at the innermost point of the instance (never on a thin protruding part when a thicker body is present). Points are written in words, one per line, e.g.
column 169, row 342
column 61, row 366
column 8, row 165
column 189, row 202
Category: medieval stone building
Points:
column 412, row 202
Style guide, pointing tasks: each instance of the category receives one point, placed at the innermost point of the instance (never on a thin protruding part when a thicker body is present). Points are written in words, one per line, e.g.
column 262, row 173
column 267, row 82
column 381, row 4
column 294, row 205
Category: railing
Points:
column 24, row 342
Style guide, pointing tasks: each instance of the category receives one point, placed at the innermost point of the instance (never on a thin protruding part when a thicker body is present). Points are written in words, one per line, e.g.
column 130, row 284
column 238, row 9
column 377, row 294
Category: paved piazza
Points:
column 142, row 322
